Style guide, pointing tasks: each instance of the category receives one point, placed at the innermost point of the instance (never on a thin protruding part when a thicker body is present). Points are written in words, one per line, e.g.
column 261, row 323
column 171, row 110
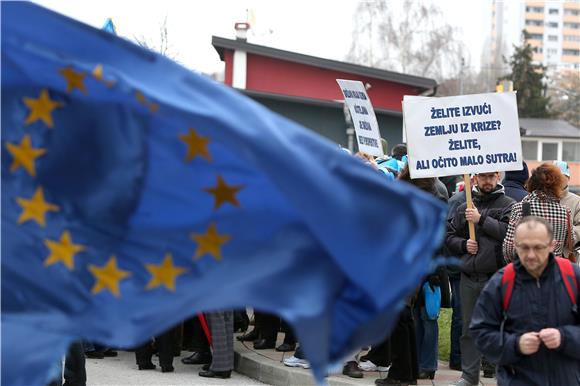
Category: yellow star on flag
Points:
column 153, row 107
column 164, row 273
column 73, row 79
column 62, row 251
column 140, row 97
column 210, row 242
column 24, row 155
column 224, row 193
column 41, row 108
column 108, row 277
column 196, row 145
column 35, row 208
column 98, row 74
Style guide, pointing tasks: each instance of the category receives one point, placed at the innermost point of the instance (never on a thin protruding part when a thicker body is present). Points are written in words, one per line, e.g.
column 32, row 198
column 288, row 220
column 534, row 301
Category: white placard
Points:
column 363, row 116
column 404, row 127
column 462, row 134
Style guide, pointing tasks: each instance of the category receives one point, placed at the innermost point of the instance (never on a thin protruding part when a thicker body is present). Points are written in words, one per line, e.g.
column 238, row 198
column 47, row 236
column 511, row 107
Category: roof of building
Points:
column 537, row 127
column 221, row 44
column 313, row 102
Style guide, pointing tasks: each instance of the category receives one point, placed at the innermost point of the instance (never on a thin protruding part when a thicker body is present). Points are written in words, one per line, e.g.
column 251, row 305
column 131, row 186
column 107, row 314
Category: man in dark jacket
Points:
column 481, row 258
column 514, row 183
column 540, row 341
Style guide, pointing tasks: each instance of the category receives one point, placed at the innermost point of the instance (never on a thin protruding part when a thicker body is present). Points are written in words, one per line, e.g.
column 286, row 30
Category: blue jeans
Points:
column 456, row 323
column 427, row 339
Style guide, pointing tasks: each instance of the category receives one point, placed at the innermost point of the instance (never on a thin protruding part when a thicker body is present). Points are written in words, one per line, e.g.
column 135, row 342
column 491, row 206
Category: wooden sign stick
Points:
column 469, row 201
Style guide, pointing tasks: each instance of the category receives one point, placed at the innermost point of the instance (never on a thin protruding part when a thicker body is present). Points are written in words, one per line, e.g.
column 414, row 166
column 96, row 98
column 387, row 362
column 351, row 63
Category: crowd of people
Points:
column 524, row 228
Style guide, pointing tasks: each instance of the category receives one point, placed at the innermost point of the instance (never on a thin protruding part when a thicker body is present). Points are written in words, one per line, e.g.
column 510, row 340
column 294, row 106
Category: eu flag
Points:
column 136, row 192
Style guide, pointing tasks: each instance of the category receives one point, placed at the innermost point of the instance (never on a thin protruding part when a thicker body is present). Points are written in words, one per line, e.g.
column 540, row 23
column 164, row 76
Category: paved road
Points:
column 122, row 370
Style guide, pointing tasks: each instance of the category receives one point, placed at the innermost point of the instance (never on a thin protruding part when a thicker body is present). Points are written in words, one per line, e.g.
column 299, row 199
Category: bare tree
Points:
column 467, row 82
column 163, row 47
column 564, row 92
column 413, row 39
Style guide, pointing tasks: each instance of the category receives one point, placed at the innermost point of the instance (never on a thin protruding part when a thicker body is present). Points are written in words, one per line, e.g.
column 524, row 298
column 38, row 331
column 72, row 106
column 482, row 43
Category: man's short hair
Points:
column 532, row 221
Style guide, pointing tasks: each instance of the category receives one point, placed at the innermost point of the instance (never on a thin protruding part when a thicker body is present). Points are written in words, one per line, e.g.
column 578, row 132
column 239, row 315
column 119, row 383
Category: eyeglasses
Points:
column 528, row 248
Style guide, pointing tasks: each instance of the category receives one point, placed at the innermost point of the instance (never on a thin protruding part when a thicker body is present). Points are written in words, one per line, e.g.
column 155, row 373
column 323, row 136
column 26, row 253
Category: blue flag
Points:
column 136, row 193
column 109, row 26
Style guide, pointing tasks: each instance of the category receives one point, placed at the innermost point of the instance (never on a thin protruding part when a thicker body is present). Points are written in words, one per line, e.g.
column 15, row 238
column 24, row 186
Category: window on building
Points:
column 535, row 23
column 538, row 50
column 552, row 51
column 549, row 151
column 552, row 24
column 535, row 9
column 553, row 11
column 552, row 38
column 571, row 151
column 572, row 38
column 570, row 52
column 572, row 25
column 572, row 12
column 537, row 36
column 530, row 150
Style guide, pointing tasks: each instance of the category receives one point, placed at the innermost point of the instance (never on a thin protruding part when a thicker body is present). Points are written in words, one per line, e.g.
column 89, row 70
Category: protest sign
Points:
column 462, row 134
column 363, row 116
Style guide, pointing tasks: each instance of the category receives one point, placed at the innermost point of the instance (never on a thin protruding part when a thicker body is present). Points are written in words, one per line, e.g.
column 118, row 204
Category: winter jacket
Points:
column 454, row 202
column 439, row 277
column 549, row 208
column 442, row 192
column 514, row 183
column 534, row 305
column 490, row 231
column 572, row 202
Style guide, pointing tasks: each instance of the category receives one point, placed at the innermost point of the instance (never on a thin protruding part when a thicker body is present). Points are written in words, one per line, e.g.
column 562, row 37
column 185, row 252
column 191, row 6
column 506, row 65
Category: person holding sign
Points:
column 481, row 257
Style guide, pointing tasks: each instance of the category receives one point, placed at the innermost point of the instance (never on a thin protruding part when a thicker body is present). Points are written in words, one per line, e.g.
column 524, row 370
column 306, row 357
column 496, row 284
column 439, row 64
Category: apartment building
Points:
column 554, row 28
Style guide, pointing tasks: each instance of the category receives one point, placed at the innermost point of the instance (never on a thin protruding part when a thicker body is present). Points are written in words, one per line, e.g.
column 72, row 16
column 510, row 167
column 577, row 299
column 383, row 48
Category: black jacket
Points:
column 514, row 183
column 490, row 231
column 534, row 305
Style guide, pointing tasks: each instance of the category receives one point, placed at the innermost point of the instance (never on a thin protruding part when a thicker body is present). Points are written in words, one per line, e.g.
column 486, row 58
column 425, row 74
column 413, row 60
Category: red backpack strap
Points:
column 568, row 277
column 507, row 282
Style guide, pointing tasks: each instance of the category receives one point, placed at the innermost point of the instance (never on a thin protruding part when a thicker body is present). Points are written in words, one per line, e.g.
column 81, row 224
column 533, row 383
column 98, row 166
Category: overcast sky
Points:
column 315, row 27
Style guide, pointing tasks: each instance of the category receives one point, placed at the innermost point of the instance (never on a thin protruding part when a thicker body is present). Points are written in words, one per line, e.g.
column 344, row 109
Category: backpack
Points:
column 568, row 278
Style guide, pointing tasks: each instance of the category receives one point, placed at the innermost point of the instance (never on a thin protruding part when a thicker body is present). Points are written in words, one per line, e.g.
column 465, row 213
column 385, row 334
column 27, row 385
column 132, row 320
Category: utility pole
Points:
column 461, row 76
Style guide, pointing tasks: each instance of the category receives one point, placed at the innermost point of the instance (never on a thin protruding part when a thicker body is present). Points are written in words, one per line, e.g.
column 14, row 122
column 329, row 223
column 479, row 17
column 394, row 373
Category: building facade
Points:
column 554, row 28
column 303, row 88
column 550, row 139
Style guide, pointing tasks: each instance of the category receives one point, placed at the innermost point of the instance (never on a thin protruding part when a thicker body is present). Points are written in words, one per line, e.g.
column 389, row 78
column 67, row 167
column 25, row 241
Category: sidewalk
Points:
column 266, row 366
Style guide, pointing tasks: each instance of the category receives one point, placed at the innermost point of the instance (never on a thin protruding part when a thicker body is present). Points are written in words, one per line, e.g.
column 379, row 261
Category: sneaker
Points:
column 463, row 382
column 370, row 366
column 296, row 362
